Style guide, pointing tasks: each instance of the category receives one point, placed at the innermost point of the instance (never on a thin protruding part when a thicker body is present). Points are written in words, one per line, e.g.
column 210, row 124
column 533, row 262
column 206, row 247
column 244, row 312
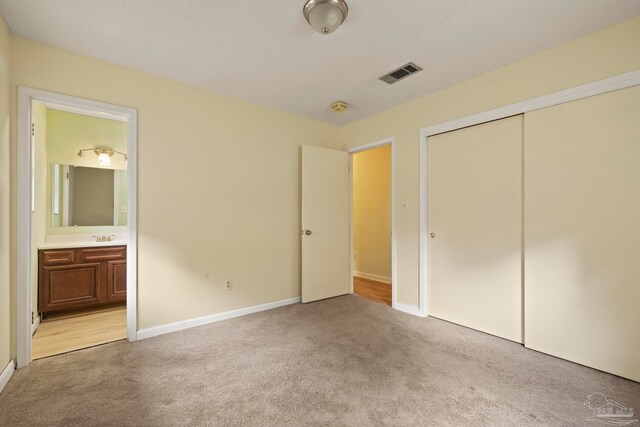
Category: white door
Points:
column 582, row 231
column 325, row 223
column 474, row 249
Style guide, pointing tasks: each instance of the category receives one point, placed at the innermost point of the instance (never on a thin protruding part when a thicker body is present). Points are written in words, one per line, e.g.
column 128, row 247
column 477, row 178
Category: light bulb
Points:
column 104, row 159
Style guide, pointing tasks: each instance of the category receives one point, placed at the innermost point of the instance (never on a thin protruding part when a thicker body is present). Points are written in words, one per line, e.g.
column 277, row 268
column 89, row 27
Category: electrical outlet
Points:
column 228, row 285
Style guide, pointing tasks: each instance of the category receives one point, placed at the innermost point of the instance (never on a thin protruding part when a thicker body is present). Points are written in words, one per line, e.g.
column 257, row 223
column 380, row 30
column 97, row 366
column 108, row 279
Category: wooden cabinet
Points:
column 81, row 277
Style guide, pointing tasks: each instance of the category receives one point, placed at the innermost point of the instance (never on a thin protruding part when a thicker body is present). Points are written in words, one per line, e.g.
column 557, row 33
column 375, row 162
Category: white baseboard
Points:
column 6, row 374
column 406, row 308
column 205, row 320
column 35, row 325
column 375, row 277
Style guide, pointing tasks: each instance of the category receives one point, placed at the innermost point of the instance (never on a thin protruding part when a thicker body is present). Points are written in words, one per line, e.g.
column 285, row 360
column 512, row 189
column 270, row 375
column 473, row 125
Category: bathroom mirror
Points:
column 86, row 196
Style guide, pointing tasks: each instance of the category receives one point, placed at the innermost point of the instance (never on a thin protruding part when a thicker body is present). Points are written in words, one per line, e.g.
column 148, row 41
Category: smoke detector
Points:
column 339, row 107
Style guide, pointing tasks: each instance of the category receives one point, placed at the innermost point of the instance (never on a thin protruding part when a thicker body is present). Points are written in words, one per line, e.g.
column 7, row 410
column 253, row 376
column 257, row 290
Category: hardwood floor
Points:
column 372, row 290
column 64, row 332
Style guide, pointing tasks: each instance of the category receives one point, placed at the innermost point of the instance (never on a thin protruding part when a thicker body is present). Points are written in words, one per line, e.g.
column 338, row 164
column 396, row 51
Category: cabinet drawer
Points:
column 104, row 254
column 58, row 257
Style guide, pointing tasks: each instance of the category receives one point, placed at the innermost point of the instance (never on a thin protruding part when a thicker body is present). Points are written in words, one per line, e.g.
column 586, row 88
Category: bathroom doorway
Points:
column 76, row 224
column 372, row 216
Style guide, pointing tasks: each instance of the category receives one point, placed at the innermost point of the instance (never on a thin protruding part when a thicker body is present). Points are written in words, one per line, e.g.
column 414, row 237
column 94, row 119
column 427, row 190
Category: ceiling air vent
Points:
column 402, row 72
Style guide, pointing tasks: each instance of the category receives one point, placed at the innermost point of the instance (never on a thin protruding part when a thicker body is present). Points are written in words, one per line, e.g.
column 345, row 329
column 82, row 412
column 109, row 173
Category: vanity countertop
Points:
column 64, row 245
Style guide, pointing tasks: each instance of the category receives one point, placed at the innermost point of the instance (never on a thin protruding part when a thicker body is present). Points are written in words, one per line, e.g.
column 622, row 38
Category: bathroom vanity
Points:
column 76, row 277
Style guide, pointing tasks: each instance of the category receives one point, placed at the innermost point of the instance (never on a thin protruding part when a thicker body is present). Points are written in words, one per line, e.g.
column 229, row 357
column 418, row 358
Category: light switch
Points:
column 405, row 205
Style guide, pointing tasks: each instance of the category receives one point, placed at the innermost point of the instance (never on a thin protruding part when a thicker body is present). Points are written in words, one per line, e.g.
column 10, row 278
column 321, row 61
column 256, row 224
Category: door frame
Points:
column 26, row 97
column 365, row 147
column 597, row 87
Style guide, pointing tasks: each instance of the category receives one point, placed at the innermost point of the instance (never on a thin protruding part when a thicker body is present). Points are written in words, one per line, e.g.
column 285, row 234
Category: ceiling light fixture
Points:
column 325, row 16
column 104, row 154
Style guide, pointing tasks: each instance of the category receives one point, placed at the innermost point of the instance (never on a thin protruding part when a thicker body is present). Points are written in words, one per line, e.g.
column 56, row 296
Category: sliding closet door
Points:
column 582, row 231
column 474, row 203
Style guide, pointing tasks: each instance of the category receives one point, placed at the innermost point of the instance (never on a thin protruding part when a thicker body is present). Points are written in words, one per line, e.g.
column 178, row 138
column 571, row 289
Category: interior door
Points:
column 474, row 246
column 325, row 223
column 582, row 231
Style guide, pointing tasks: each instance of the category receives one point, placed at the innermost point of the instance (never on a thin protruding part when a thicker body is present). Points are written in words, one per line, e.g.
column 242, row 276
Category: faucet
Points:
column 104, row 237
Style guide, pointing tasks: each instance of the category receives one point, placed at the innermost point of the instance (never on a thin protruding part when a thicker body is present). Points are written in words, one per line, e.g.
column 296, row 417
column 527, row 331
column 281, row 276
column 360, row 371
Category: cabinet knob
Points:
column 432, row 235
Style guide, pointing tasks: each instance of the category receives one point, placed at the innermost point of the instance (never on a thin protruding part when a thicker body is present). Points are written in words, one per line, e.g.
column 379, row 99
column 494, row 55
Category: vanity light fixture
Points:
column 104, row 154
column 325, row 16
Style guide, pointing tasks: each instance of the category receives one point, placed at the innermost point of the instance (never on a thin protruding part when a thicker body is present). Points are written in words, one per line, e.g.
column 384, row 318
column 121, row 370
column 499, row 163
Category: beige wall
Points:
column 605, row 53
column 68, row 132
column 5, row 199
column 372, row 213
column 218, row 184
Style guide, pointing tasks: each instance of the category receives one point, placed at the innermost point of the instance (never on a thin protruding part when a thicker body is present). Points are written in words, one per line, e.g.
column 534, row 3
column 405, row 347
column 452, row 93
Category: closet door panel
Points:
column 474, row 204
column 582, row 231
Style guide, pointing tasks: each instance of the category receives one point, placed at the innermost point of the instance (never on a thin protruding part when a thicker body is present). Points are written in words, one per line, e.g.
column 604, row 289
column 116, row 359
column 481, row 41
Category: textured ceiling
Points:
column 265, row 52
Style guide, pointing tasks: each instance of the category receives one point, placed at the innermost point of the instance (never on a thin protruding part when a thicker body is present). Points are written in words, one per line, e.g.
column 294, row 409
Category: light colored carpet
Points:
column 344, row 361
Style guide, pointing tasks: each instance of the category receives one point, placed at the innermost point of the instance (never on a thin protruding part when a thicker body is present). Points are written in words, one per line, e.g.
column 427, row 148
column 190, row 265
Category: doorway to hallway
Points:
column 372, row 223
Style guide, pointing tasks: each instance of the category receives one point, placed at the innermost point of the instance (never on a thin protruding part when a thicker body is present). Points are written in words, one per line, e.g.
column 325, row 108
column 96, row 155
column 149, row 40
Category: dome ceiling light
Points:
column 325, row 16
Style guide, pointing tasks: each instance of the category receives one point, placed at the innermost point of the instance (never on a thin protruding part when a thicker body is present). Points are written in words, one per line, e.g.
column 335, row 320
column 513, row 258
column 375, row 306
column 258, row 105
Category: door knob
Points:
column 307, row 232
column 432, row 235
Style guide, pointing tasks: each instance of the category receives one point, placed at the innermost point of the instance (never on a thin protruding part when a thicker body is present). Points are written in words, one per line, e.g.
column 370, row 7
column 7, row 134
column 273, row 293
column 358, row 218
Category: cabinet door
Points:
column 69, row 286
column 117, row 280
column 474, row 249
column 582, row 231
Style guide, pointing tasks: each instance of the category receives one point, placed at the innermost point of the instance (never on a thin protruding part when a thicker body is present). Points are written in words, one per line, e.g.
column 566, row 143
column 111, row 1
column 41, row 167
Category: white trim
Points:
column 406, row 308
column 351, row 253
column 35, row 326
column 212, row 318
column 598, row 87
column 26, row 96
column 386, row 141
column 375, row 277
column 132, row 225
column 23, row 231
column 371, row 145
column 5, row 376
column 422, row 254
column 76, row 109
